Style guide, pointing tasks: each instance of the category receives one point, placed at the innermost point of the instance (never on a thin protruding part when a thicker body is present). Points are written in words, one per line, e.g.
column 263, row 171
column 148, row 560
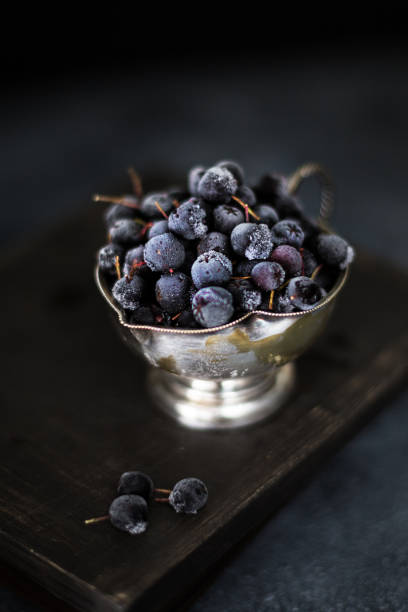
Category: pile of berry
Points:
column 129, row 511
column 208, row 255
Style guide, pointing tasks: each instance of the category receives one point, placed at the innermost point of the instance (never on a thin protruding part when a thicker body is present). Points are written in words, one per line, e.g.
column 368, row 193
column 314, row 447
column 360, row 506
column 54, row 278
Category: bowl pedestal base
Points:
column 223, row 403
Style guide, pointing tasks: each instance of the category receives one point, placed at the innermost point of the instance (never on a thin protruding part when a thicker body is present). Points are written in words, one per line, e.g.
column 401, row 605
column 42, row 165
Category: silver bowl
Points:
column 240, row 372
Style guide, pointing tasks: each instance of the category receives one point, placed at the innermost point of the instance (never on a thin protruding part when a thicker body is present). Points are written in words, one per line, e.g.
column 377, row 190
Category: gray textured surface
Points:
column 342, row 543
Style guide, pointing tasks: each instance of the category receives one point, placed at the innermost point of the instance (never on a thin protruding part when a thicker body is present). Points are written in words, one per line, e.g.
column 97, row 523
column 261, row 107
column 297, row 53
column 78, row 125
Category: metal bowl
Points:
column 235, row 374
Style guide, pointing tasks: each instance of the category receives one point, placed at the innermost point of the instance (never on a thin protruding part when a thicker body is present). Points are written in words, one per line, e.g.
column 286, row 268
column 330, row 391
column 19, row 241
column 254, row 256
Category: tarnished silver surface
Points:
column 225, row 376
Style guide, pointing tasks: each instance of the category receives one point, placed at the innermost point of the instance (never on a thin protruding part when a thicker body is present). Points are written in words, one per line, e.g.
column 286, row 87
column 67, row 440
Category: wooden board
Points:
column 76, row 415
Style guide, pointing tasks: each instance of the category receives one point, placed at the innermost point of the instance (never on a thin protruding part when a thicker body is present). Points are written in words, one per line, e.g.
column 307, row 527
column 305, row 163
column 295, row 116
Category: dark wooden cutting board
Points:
column 76, row 414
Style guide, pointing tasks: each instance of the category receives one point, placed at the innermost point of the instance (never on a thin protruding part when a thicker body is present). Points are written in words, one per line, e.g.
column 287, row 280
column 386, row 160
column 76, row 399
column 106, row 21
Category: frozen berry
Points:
column 235, row 169
column 334, row 251
column 214, row 241
column 287, row 232
column 217, row 185
column 267, row 214
column 227, row 217
column 107, row 258
column 116, row 212
column 212, row 306
column 251, row 240
column 172, row 292
column 268, row 275
column 188, row 496
column 157, row 228
column 282, row 303
column 134, row 262
column 128, row 293
column 129, row 513
column 246, row 296
column 304, row 293
column 211, row 268
column 289, row 258
column 126, row 232
column 194, row 177
column 136, row 483
column 164, row 252
column 189, row 220
column 153, row 202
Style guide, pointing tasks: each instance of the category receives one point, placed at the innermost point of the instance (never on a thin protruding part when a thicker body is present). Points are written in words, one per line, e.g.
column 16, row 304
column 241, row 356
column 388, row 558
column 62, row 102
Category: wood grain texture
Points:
column 76, row 415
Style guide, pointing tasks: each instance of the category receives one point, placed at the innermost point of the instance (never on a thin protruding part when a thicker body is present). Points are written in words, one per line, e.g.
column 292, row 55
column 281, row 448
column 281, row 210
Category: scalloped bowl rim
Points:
column 207, row 330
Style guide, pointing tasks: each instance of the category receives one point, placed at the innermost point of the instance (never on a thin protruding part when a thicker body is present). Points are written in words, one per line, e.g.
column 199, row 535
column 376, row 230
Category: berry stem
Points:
column 97, row 519
column 246, row 207
column 123, row 200
column 271, row 299
column 176, row 203
column 176, row 316
column 168, row 491
column 117, row 267
column 316, row 271
column 136, row 182
column 162, row 500
column 240, row 277
column 161, row 210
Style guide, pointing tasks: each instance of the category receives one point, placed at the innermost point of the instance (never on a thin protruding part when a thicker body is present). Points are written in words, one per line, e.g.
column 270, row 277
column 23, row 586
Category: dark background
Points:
column 79, row 106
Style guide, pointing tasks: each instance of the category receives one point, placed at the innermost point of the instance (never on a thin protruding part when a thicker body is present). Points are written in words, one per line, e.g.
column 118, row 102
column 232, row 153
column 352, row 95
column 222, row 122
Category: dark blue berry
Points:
column 287, row 232
column 126, row 232
column 309, row 262
column 164, row 252
column 246, row 195
column 227, row 217
column 267, row 214
column 143, row 315
column 246, row 296
column 268, row 275
column 129, row 513
column 217, row 185
column 117, row 211
column 289, row 258
column 211, row 268
column 149, row 207
column 172, row 292
column 212, row 306
column 334, row 251
column 214, row 241
column 235, row 169
column 158, row 227
column 289, row 206
column 128, row 293
column 245, row 267
column 194, row 177
column 304, row 293
column 134, row 261
column 107, row 258
column 136, row 483
column 186, row 320
column 189, row 220
column 251, row 240
column 271, row 187
column 188, row 496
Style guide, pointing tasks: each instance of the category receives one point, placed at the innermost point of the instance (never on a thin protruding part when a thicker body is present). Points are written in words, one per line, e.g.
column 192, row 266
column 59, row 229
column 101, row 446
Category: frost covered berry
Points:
column 188, row 496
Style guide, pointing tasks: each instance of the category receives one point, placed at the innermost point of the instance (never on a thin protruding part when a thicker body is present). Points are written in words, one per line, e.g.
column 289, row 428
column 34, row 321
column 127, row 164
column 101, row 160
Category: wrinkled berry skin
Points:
column 304, row 293
column 334, row 251
column 129, row 513
column 211, row 268
column 268, row 275
column 150, row 209
column 125, row 233
column 289, row 258
column 212, row 306
column 214, row 241
column 164, row 252
column 136, row 483
column 189, row 220
column 107, row 258
column 217, row 185
column 128, row 293
column 226, row 217
column 172, row 292
column 287, row 232
column 188, row 496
